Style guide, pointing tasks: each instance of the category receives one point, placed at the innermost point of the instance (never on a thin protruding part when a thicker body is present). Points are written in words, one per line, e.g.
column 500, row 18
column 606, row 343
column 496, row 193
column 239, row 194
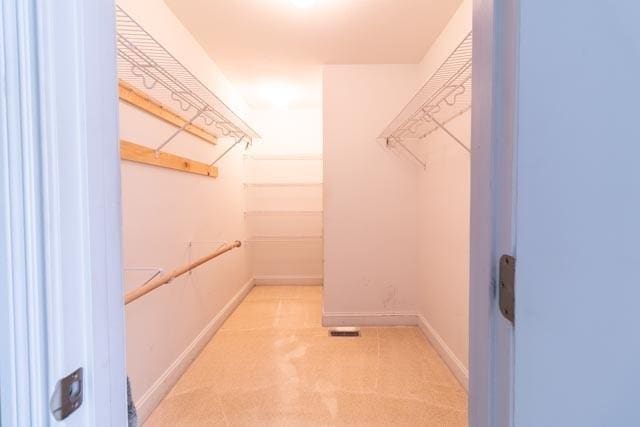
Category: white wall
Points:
column 443, row 287
column 288, row 131
column 370, row 204
column 577, row 344
column 397, row 236
column 163, row 210
column 444, row 196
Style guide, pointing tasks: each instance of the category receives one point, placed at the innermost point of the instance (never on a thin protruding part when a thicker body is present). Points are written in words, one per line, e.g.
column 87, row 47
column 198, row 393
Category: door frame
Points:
column 36, row 111
column 60, row 191
column 493, row 199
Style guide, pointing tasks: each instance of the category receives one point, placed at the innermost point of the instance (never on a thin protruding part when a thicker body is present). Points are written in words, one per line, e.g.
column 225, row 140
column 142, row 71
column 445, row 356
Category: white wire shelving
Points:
column 147, row 66
column 444, row 97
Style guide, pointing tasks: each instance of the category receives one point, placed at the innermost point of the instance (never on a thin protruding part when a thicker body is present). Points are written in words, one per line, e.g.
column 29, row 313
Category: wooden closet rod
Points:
column 166, row 278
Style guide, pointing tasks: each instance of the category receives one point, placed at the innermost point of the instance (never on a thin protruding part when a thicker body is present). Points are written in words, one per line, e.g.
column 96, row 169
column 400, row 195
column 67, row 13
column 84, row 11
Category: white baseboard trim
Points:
column 161, row 387
column 452, row 361
column 294, row 279
column 369, row 319
column 403, row 319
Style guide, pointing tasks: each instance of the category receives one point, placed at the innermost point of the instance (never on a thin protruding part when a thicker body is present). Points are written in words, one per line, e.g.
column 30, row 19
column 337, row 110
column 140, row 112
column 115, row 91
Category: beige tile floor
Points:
column 273, row 364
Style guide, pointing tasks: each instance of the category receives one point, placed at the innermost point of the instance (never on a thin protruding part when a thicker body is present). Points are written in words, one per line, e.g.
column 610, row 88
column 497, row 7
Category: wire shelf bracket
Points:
column 238, row 141
column 156, row 272
column 444, row 97
column 145, row 65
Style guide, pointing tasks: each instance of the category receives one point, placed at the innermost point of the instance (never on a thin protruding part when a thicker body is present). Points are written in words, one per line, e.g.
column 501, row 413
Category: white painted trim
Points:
column 288, row 280
column 369, row 319
column 23, row 322
column 455, row 365
column 61, row 307
column 161, row 387
column 403, row 319
column 495, row 46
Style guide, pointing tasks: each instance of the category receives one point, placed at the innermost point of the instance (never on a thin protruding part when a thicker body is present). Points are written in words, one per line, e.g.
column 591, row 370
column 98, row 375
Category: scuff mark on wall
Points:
column 390, row 298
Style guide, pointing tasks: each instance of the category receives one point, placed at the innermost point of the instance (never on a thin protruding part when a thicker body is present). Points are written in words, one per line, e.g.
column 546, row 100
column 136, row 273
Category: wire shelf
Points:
column 146, row 65
column 445, row 96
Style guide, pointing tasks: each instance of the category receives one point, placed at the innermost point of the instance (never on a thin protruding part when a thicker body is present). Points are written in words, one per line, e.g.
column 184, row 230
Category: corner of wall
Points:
column 456, row 366
column 444, row 217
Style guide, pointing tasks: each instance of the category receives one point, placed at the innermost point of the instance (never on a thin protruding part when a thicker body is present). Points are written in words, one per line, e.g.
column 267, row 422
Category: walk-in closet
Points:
column 319, row 213
column 294, row 253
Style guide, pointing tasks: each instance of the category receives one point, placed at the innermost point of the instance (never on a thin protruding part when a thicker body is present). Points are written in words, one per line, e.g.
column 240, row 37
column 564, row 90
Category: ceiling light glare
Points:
column 278, row 95
column 303, row 3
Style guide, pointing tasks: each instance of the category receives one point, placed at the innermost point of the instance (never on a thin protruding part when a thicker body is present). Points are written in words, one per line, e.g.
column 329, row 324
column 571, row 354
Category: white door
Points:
column 61, row 299
column 577, row 333
column 556, row 122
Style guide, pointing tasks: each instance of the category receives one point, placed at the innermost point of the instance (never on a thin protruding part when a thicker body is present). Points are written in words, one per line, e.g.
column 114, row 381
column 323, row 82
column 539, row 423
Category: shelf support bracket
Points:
column 177, row 132
column 441, row 126
column 157, row 271
column 411, row 153
column 227, row 150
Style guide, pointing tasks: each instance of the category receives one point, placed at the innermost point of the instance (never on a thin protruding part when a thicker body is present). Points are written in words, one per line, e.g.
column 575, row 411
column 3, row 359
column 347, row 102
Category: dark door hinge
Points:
column 506, row 287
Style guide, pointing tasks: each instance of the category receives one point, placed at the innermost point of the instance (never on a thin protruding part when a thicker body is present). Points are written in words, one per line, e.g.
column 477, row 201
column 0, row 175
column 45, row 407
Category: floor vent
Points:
column 344, row 332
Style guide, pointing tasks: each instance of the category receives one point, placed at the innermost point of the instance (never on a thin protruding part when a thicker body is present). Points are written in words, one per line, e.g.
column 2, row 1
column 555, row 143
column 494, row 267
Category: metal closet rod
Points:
column 167, row 278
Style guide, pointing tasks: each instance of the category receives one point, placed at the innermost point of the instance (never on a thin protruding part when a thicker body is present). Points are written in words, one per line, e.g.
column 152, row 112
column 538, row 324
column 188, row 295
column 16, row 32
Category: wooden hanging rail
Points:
column 167, row 278
column 138, row 99
column 141, row 154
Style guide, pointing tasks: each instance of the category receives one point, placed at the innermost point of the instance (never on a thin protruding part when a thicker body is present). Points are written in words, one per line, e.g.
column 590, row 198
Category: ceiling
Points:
column 273, row 50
